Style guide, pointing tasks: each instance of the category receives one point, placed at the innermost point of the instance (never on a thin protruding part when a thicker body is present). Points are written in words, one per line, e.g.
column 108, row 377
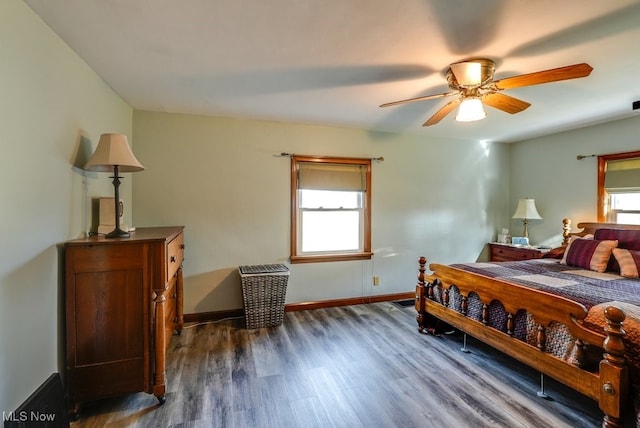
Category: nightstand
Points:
column 507, row 253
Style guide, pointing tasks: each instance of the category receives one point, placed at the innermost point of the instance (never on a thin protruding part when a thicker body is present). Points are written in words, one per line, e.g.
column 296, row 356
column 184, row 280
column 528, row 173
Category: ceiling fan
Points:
column 472, row 84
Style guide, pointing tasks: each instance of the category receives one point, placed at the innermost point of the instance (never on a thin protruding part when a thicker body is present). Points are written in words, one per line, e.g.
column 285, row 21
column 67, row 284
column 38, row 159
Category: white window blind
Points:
column 331, row 176
column 622, row 176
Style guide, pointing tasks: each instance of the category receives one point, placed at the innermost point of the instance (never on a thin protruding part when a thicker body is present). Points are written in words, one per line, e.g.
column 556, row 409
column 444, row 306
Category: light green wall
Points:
column 53, row 108
column 224, row 181
column 547, row 170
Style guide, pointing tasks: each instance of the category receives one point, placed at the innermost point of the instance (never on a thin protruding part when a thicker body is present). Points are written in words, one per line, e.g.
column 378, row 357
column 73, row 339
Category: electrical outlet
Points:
column 376, row 280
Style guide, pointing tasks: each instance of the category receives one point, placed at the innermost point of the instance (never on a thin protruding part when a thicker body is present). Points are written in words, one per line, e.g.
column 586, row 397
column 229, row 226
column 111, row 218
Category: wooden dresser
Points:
column 506, row 252
column 123, row 302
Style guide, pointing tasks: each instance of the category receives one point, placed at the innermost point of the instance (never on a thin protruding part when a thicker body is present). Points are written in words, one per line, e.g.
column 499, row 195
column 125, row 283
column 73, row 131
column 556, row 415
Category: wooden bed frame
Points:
column 609, row 386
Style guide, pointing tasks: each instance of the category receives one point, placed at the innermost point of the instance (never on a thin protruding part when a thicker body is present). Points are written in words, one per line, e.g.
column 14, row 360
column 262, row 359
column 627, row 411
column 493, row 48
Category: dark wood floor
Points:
column 353, row 366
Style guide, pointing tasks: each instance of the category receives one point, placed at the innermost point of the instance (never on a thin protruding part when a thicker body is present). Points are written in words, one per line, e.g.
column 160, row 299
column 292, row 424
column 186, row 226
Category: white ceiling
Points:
column 333, row 62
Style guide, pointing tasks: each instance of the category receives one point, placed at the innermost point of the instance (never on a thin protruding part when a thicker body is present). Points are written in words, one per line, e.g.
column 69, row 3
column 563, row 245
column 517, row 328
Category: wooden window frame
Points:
column 366, row 252
column 603, row 195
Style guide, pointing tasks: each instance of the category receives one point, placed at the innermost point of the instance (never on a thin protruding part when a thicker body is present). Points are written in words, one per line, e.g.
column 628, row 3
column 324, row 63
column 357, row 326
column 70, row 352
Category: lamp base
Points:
column 117, row 233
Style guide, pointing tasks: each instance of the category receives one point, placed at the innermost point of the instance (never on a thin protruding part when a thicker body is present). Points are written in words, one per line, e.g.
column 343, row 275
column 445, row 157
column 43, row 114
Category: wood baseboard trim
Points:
column 302, row 306
column 213, row 316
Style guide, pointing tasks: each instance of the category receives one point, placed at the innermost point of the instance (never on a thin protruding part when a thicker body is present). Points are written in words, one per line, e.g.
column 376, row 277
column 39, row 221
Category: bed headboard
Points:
column 589, row 228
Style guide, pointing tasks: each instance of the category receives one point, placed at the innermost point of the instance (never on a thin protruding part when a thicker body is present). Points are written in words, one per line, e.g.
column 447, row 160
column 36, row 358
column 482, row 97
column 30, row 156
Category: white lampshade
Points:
column 113, row 150
column 527, row 210
column 470, row 110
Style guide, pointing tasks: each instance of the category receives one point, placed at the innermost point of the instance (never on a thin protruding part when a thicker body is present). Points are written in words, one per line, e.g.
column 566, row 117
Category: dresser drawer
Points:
column 175, row 255
column 504, row 253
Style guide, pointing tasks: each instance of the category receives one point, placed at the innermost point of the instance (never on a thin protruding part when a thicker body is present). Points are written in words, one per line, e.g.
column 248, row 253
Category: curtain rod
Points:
column 284, row 154
column 621, row 155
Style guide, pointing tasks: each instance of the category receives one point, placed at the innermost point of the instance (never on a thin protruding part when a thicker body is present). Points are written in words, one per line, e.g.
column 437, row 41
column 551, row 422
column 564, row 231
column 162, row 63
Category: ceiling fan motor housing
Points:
column 487, row 70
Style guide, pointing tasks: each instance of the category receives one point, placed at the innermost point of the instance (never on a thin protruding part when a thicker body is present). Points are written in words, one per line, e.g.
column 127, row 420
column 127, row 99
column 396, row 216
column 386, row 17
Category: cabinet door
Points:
column 106, row 321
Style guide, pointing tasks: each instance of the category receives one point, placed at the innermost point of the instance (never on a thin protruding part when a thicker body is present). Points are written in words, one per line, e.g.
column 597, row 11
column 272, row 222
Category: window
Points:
column 330, row 209
column 619, row 188
column 625, row 208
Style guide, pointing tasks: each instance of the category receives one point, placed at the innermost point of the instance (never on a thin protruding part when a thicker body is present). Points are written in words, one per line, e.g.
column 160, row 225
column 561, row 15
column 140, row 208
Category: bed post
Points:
column 613, row 371
column 566, row 230
column 421, row 293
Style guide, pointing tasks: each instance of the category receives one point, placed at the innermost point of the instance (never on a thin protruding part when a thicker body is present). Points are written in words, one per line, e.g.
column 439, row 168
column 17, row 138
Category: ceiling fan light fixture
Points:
column 470, row 110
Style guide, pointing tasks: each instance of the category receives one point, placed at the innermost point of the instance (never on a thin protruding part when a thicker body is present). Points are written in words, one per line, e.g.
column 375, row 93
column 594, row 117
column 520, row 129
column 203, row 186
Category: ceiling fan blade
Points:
column 505, row 102
column 467, row 73
column 440, row 114
column 412, row 100
column 556, row 74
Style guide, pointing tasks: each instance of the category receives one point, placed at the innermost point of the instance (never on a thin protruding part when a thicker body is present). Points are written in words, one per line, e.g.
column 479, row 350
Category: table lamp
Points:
column 114, row 154
column 526, row 211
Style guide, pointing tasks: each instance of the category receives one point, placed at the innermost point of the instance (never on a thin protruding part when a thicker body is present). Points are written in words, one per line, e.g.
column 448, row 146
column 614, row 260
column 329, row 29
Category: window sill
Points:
column 331, row 258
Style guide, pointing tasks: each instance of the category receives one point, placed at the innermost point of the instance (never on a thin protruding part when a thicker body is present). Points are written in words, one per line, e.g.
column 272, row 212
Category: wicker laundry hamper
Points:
column 264, row 288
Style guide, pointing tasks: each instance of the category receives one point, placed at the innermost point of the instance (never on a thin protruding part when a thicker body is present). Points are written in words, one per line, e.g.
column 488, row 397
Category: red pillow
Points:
column 629, row 261
column 628, row 239
column 589, row 254
column 554, row 253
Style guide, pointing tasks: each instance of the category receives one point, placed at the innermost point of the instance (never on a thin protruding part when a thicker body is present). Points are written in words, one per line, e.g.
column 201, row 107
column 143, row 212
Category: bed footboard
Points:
column 609, row 385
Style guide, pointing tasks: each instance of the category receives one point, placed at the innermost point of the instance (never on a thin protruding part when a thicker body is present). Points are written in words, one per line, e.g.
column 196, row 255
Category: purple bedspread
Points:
column 583, row 286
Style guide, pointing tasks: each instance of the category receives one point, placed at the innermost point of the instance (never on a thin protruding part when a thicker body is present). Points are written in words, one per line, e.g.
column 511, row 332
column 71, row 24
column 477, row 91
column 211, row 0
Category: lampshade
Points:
column 112, row 150
column 527, row 210
column 470, row 110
